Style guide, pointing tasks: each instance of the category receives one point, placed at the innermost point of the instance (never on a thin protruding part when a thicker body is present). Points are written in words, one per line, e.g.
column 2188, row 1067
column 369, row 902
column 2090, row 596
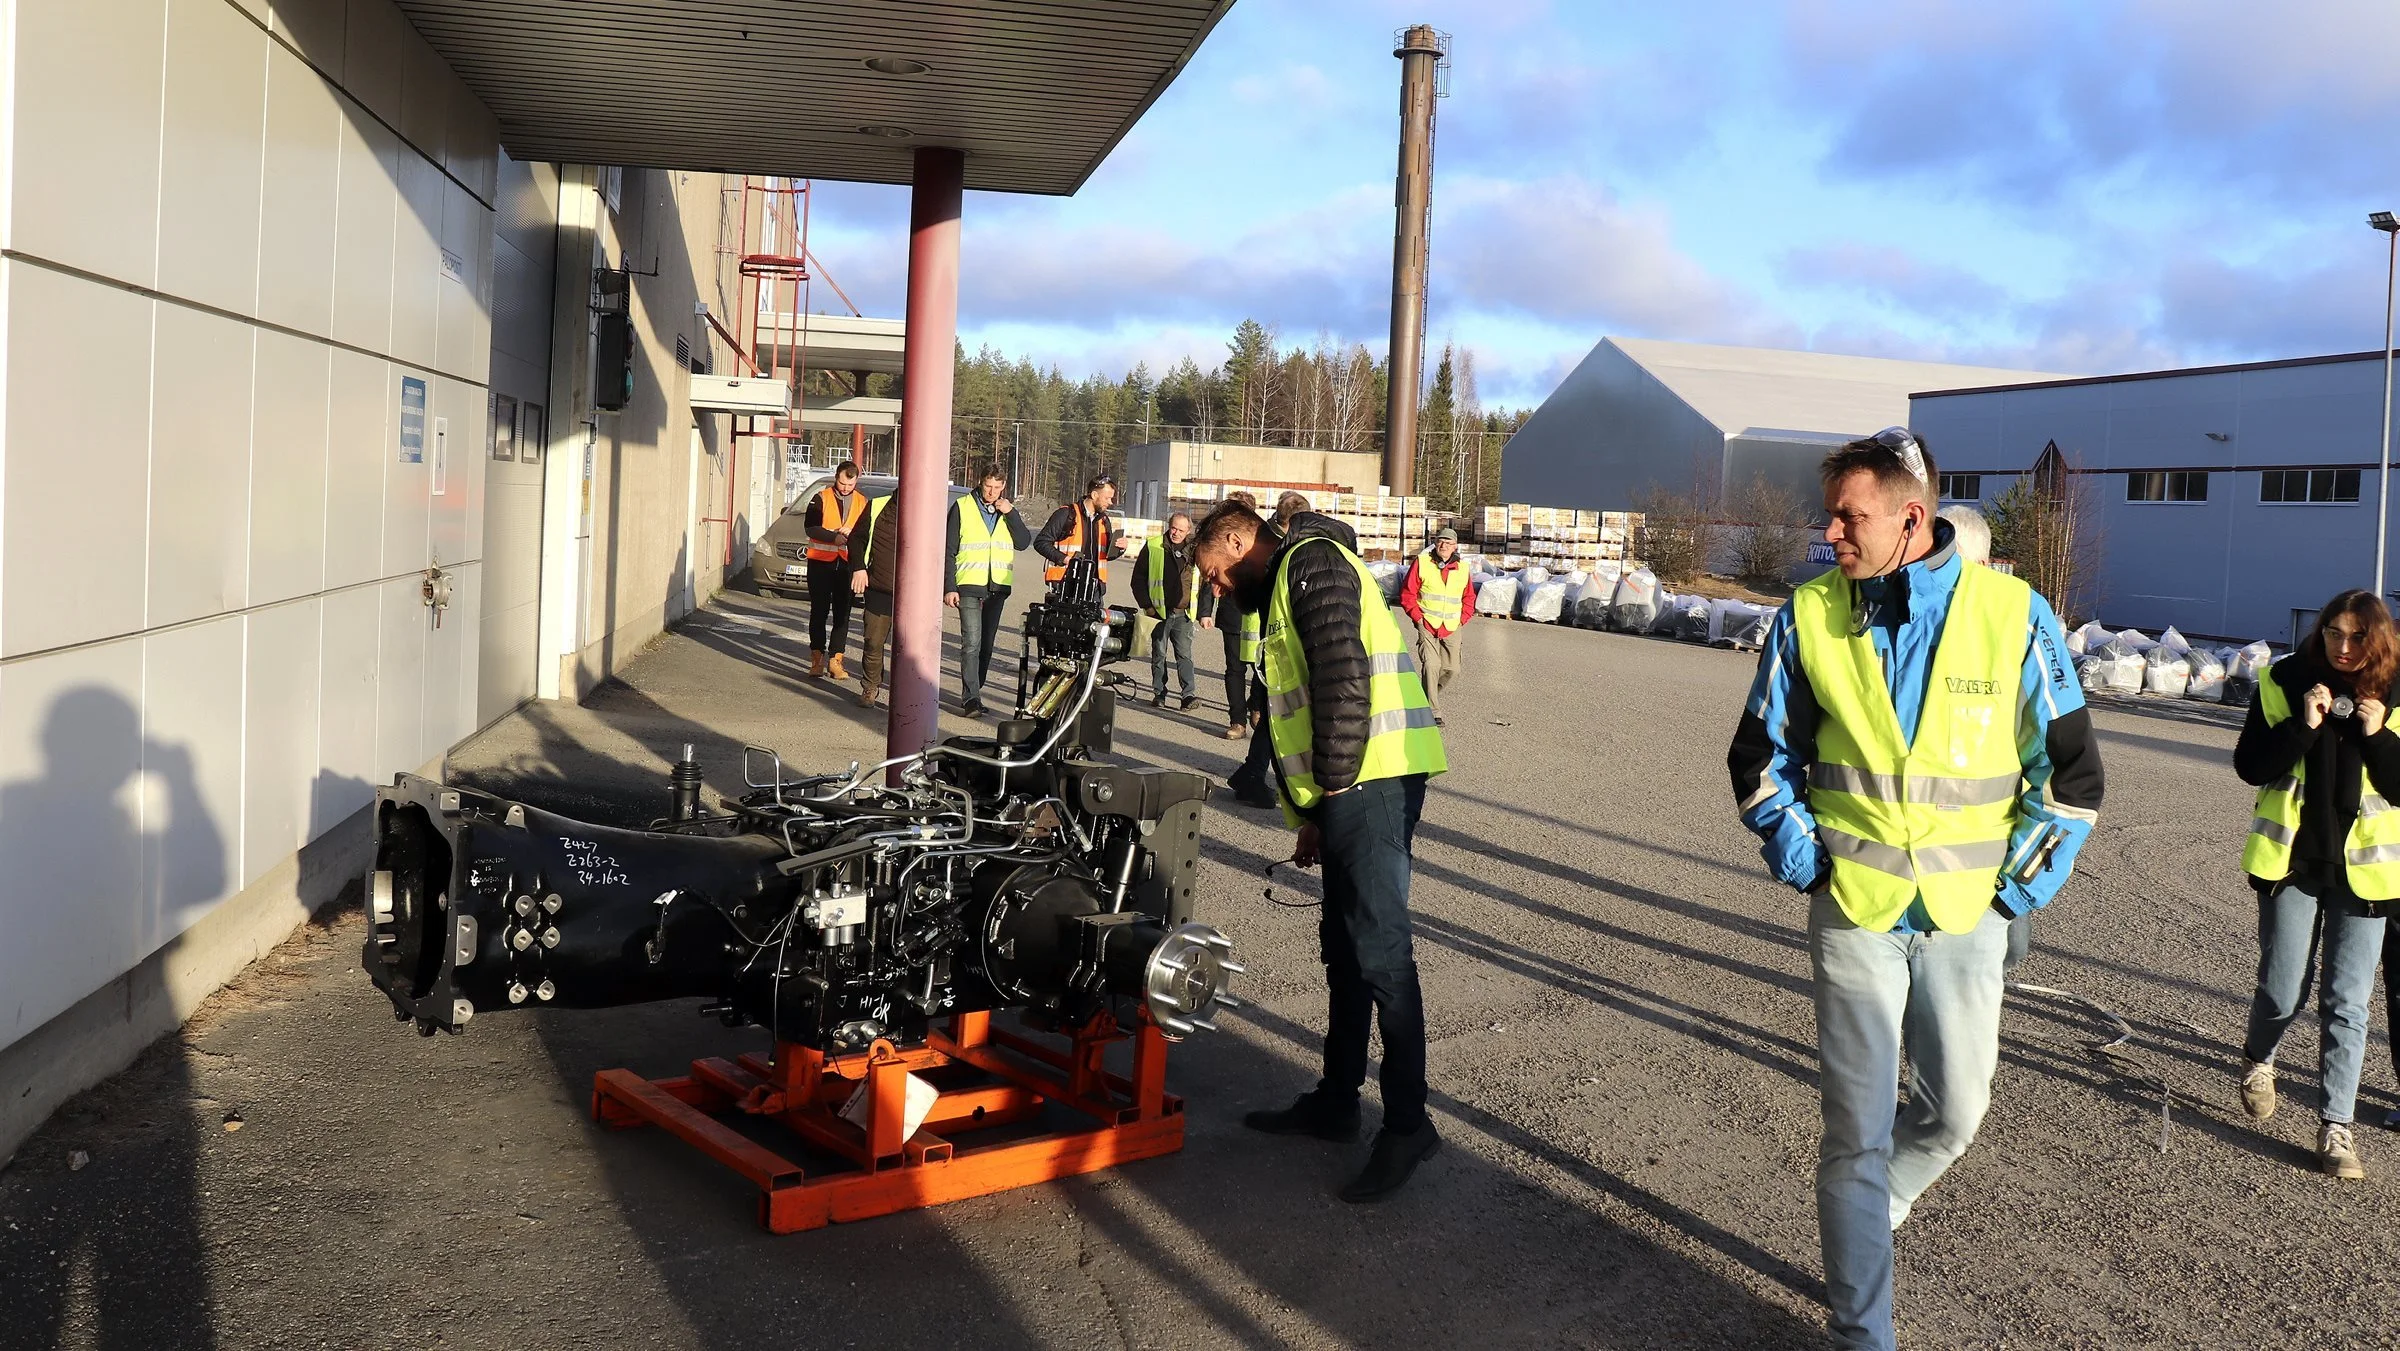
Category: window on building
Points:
column 2308, row 485
column 1962, row 487
column 2167, row 485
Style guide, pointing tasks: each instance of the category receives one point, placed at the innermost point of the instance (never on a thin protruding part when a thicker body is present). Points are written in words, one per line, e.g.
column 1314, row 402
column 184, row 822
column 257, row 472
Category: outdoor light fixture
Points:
column 2390, row 226
column 886, row 133
column 895, row 65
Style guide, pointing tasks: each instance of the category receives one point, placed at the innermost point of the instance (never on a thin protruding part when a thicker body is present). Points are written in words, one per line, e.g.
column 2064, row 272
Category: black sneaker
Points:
column 1256, row 795
column 1313, row 1114
column 973, row 708
column 1437, row 719
column 1191, row 700
column 1395, row 1157
column 1158, row 701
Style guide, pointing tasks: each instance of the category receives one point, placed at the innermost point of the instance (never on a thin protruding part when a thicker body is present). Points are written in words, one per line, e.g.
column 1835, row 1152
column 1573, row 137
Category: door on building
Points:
column 517, row 447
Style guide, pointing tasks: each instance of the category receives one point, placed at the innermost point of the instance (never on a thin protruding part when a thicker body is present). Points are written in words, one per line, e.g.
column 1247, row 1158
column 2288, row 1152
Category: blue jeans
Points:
column 1174, row 631
column 1937, row 994
column 2290, row 920
column 1370, row 955
column 978, row 633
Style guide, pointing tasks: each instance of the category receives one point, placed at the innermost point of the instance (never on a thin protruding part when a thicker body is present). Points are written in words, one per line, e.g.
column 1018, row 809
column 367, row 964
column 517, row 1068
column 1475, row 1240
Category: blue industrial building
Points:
column 2232, row 500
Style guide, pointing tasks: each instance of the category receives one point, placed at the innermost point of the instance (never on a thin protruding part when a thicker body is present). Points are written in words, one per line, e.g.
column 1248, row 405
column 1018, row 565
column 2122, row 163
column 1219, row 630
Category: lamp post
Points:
column 2390, row 225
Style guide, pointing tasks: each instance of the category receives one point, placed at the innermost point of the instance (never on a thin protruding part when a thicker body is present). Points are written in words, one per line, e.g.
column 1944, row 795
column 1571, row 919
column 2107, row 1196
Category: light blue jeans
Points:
column 2288, row 939
column 1937, row 995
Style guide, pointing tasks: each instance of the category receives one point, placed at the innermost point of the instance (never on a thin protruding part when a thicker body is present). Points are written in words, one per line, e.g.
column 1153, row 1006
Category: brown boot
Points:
column 834, row 668
column 816, row 665
column 866, row 697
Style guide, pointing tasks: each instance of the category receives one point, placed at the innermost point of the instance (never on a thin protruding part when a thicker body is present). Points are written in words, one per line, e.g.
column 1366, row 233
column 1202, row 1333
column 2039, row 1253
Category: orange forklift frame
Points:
column 1135, row 1117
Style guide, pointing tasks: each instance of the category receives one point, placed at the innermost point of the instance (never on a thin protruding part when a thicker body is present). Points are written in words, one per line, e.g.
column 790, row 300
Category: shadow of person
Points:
column 107, row 848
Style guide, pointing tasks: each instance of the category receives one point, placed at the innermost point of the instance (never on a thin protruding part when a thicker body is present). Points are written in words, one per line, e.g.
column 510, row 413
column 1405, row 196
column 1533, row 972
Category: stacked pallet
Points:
column 1388, row 527
column 1562, row 539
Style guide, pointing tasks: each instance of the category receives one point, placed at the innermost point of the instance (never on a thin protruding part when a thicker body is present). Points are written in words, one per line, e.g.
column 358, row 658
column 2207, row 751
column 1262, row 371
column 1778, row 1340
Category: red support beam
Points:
column 924, row 460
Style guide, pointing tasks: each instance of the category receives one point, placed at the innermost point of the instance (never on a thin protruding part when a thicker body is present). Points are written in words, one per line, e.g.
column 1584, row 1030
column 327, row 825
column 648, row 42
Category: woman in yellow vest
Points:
column 2323, row 853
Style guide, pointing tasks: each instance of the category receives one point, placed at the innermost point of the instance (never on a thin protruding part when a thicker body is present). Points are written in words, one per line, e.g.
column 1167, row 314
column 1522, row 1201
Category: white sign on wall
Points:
column 412, row 420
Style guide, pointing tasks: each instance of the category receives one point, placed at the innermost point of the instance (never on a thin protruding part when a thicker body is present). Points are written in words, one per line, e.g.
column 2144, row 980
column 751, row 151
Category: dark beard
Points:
column 1251, row 588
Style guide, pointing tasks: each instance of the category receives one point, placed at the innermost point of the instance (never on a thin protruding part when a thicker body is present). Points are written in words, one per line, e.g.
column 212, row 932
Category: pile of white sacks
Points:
column 1611, row 597
column 2169, row 665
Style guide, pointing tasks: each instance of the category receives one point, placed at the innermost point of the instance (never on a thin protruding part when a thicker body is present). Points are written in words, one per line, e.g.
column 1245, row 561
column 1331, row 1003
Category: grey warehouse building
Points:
column 1637, row 414
column 2234, row 500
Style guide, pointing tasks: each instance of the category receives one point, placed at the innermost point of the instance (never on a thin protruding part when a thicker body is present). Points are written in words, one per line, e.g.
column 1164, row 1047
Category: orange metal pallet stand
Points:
column 1135, row 1118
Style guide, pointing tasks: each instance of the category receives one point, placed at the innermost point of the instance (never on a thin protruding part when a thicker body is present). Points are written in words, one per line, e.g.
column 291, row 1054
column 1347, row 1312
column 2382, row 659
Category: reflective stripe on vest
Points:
column 1401, row 737
column 2371, row 851
column 1071, row 544
column 1441, row 600
column 1154, row 573
column 987, row 556
column 831, row 517
column 1930, row 819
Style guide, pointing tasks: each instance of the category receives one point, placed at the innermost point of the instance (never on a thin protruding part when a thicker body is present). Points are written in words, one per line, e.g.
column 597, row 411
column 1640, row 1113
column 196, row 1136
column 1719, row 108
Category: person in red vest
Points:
column 1437, row 597
column 832, row 518
column 1081, row 527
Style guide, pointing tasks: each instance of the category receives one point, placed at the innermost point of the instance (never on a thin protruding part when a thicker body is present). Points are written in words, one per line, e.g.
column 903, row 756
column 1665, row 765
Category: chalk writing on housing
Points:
column 591, row 867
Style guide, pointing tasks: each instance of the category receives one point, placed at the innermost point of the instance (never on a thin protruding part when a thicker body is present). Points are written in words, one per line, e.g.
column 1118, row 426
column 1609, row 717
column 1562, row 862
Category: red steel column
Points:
column 930, row 360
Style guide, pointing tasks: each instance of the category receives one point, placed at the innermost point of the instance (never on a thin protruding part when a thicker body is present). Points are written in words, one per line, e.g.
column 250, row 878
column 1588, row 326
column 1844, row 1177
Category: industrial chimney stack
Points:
column 1424, row 54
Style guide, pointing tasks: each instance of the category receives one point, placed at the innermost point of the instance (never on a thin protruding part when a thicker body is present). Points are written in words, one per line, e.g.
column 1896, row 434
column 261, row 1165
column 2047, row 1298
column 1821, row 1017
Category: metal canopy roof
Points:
column 1036, row 92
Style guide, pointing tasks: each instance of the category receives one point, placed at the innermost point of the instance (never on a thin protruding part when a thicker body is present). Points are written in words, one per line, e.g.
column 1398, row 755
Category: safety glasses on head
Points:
column 1903, row 443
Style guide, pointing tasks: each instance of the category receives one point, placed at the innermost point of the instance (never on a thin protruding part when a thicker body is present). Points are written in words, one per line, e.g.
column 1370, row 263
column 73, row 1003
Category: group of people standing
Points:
column 1318, row 675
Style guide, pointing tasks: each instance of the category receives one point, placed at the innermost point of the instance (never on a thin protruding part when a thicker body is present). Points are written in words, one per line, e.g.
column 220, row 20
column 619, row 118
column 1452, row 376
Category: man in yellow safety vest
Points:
column 985, row 535
column 1353, row 743
column 1916, row 756
column 1437, row 597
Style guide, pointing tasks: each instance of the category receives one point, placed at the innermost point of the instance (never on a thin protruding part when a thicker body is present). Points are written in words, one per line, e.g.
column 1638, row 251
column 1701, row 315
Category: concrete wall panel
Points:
column 400, row 694
column 279, row 733
column 315, row 27
column 192, row 772
column 85, row 161
column 417, row 264
column 211, row 172
column 70, row 827
column 375, row 31
column 303, row 174
column 425, row 95
column 287, row 477
column 199, row 561
column 359, row 449
column 349, row 665
column 367, row 215
column 77, row 438
column 407, row 485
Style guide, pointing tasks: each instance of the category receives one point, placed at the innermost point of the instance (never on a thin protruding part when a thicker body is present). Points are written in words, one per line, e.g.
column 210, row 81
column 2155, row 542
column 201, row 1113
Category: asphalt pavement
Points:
column 1622, row 1061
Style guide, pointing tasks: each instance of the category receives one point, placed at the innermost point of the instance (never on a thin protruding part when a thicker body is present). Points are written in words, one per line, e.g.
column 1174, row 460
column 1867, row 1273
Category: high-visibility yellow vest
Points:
column 1401, row 737
column 1154, row 574
column 987, row 555
column 2370, row 853
column 1251, row 629
column 1930, row 818
column 1441, row 599
column 831, row 516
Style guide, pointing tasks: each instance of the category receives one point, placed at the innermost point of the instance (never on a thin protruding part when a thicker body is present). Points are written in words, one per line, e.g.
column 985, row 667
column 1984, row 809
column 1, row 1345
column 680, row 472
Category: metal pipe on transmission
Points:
column 1422, row 50
column 928, row 368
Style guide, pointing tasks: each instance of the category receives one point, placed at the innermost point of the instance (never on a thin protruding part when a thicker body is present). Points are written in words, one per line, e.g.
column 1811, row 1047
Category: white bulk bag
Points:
column 2208, row 676
column 1587, row 605
column 1635, row 604
column 1497, row 595
column 2125, row 674
column 1693, row 619
column 2171, row 677
column 1390, row 577
column 1542, row 602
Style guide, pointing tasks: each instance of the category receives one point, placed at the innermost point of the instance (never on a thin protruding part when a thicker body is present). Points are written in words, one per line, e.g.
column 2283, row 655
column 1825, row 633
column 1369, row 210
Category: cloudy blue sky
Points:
column 2079, row 186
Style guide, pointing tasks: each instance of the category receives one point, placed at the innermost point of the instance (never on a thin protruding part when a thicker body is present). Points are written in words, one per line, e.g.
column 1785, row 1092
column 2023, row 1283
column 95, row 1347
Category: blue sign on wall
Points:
column 1820, row 553
column 412, row 420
